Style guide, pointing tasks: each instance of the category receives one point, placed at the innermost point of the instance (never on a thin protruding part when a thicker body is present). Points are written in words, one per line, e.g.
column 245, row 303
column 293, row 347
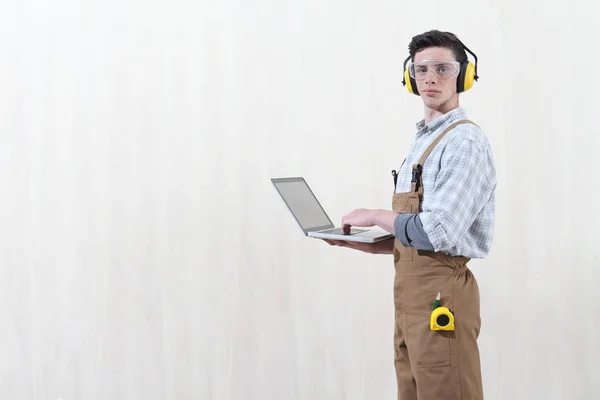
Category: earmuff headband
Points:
column 474, row 56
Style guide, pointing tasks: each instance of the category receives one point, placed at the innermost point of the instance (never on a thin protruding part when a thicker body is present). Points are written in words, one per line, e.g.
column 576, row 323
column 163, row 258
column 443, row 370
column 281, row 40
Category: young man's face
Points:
column 436, row 80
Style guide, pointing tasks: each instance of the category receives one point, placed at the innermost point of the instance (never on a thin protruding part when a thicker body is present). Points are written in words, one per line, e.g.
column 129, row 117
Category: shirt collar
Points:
column 457, row 113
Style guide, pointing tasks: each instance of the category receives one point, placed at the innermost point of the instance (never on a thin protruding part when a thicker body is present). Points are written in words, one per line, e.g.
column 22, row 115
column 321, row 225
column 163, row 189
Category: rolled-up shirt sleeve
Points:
column 408, row 229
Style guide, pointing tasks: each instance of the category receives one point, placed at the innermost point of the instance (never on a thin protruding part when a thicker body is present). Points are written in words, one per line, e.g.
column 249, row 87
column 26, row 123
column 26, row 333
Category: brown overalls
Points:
column 433, row 365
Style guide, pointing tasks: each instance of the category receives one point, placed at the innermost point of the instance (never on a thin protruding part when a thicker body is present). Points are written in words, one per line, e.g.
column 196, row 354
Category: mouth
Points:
column 431, row 91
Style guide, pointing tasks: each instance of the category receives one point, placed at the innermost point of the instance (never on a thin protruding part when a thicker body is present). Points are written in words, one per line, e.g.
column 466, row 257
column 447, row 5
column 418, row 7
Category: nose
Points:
column 430, row 78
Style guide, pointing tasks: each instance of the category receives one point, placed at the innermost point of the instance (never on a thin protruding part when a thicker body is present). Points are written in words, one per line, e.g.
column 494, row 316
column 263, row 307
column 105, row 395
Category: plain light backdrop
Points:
column 144, row 253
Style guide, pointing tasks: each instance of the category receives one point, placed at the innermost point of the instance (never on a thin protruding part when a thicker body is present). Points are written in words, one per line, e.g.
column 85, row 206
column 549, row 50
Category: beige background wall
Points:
column 144, row 253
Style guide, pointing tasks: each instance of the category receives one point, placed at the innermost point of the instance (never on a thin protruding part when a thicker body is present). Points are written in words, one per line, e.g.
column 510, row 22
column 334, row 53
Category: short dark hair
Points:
column 435, row 38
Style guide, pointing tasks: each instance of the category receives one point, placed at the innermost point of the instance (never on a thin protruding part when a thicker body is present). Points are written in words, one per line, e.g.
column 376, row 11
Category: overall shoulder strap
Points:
column 439, row 138
column 417, row 169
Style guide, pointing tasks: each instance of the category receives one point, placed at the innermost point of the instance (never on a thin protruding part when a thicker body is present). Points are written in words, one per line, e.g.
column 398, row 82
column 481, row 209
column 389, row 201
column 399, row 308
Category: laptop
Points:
column 313, row 219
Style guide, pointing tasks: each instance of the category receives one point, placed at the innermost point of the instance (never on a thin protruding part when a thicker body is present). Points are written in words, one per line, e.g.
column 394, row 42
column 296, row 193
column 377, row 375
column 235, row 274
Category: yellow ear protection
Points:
column 464, row 81
column 408, row 81
column 468, row 73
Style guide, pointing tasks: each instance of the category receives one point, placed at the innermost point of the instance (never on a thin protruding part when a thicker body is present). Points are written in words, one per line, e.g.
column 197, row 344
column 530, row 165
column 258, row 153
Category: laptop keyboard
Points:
column 340, row 231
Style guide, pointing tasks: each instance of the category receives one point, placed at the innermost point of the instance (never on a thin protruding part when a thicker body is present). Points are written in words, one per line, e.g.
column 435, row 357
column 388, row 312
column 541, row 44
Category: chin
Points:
column 435, row 103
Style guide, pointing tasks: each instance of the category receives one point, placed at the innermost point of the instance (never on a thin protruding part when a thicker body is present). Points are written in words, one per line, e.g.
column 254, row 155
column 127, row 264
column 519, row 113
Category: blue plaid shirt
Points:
column 459, row 189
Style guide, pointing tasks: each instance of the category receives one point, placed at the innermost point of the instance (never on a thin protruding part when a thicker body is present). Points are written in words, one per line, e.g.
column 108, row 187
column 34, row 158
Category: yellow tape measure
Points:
column 442, row 318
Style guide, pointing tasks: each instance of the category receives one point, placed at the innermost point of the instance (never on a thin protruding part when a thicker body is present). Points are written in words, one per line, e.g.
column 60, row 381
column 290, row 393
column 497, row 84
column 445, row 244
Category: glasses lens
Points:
column 443, row 69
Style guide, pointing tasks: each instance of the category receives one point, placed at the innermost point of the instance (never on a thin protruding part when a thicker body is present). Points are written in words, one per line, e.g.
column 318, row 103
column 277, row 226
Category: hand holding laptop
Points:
column 381, row 247
column 362, row 218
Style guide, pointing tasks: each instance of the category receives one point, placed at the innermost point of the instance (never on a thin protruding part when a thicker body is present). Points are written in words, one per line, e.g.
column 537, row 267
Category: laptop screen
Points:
column 302, row 203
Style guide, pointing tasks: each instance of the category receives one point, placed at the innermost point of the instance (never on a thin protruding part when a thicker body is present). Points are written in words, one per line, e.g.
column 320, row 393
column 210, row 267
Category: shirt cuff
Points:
column 400, row 228
column 408, row 229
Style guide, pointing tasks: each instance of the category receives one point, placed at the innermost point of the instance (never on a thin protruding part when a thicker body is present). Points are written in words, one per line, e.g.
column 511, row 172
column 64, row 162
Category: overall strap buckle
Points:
column 417, row 172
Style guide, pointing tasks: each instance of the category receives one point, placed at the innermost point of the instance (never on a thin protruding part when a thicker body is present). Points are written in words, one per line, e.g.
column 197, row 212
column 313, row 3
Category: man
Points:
column 442, row 216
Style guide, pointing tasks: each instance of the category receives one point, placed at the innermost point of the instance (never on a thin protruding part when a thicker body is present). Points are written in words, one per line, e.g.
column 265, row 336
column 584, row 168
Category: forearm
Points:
column 407, row 228
column 385, row 219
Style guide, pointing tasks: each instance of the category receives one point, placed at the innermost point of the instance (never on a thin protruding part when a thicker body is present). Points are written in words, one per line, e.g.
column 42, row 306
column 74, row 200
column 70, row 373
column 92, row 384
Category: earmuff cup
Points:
column 466, row 77
column 411, row 84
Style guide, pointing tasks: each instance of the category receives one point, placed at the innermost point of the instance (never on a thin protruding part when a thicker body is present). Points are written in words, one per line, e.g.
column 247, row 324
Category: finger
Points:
column 346, row 219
